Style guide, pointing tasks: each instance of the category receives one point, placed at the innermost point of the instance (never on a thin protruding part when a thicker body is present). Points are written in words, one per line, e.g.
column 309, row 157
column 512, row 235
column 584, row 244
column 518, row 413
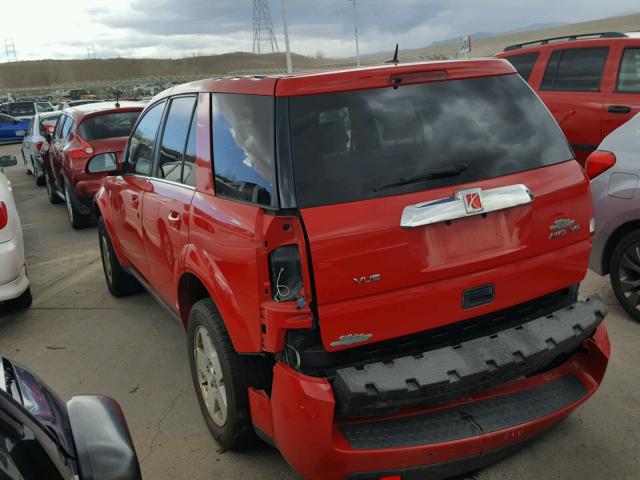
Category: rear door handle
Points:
column 619, row 109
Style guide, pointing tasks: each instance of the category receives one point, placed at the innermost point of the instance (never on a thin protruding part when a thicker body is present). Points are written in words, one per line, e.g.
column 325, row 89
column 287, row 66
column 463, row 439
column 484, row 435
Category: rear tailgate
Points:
column 376, row 280
column 386, row 265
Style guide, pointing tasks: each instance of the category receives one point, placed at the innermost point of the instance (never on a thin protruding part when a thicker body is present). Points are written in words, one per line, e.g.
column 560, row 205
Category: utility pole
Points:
column 355, row 22
column 91, row 52
column 10, row 50
column 263, row 27
column 286, row 36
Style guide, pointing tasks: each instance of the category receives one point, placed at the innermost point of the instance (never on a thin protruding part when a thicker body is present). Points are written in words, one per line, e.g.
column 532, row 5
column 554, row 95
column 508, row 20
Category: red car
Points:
column 80, row 133
column 591, row 83
column 377, row 268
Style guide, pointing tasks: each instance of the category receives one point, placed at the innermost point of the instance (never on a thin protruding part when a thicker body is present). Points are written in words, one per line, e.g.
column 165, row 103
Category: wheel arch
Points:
column 193, row 287
column 617, row 235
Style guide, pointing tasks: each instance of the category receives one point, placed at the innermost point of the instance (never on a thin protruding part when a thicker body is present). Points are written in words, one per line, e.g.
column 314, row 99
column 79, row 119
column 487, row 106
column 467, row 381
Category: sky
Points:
column 179, row 28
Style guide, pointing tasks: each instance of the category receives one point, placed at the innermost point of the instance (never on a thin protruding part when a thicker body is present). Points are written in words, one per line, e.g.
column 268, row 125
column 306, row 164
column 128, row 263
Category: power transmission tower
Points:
column 10, row 50
column 91, row 52
column 263, row 36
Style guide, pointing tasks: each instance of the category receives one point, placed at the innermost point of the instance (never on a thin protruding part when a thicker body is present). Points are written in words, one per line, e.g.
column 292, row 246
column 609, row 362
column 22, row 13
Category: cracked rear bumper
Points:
column 422, row 442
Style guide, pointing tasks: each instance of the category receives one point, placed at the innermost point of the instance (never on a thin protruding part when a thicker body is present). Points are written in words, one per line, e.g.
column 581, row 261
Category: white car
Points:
column 42, row 124
column 14, row 284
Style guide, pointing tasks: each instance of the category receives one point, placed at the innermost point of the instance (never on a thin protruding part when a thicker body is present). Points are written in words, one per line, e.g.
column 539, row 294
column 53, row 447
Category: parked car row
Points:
column 372, row 294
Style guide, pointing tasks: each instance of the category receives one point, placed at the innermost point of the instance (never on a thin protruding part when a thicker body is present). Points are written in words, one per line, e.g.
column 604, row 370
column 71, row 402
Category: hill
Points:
column 48, row 74
column 489, row 46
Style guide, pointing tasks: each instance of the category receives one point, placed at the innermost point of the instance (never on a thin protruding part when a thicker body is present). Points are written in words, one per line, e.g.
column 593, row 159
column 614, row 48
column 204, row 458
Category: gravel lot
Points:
column 81, row 340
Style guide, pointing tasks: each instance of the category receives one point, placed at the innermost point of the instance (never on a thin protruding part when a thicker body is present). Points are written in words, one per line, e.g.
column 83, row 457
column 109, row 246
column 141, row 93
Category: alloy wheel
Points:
column 210, row 377
column 629, row 275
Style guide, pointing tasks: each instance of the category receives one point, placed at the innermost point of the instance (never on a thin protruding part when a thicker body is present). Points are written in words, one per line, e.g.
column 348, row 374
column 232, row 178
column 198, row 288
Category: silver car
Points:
column 41, row 125
column 615, row 172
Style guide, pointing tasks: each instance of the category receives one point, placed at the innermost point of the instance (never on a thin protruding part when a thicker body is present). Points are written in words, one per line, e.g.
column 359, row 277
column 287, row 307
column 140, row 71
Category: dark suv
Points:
column 377, row 268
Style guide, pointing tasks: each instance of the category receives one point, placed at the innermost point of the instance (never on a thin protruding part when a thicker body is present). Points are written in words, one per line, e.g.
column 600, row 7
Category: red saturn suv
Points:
column 377, row 268
column 80, row 133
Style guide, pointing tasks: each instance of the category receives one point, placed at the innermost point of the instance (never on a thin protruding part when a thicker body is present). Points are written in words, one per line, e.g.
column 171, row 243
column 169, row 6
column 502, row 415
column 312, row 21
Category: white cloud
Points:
column 174, row 28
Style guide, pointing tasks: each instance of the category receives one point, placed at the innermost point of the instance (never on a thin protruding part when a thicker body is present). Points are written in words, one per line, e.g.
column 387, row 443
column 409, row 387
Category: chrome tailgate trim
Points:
column 452, row 208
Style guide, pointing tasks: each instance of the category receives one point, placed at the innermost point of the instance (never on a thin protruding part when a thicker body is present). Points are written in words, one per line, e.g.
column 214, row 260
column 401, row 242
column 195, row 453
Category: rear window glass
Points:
column 629, row 76
column 111, row 125
column 19, row 109
column 524, row 63
column 243, row 147
column 357, row 145
column 47, row 124
column 575, row 70
column 44, row 107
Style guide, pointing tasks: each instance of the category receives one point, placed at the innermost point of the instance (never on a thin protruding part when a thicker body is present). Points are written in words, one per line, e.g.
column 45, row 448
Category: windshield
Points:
column 20, row 109
column 372, row 143
column 111, row 125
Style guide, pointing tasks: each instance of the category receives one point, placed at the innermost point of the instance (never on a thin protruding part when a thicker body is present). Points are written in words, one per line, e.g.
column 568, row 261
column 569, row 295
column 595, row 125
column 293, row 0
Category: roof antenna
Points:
column 394, row 60
column 117, row 95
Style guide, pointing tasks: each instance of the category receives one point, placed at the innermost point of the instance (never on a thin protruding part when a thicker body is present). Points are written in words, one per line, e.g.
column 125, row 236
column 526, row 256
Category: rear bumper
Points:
column 448, row 373
column 447, row 439
column 83, row 203
column 14, row 288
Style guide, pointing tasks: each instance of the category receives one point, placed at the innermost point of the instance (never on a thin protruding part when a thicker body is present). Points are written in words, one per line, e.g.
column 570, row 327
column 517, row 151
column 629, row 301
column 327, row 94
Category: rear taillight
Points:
column 598, row 162
column 82, row 150
column 4, row 215
column 39, row 146
column 286, row 274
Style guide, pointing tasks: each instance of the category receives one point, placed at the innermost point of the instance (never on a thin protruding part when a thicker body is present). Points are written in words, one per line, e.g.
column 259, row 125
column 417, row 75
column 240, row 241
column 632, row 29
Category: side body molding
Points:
column 465, row 203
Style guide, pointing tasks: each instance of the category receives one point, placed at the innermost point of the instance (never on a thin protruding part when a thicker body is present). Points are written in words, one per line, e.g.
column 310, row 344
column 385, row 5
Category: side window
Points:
column 5, row 120
column 9, row 449
column 59, row 125
column 524, row 63
column 140, row 153
column 629, row 76
column 68, row 125
column 189, row 168
column 174, row 138
column 575, row 70
column 243, row 147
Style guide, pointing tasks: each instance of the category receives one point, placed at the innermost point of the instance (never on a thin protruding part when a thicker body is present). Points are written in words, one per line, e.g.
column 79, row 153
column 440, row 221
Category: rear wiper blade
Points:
column 457, row 169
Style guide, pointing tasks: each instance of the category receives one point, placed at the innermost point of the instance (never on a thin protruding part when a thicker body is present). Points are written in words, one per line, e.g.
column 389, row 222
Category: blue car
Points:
column 12, row 130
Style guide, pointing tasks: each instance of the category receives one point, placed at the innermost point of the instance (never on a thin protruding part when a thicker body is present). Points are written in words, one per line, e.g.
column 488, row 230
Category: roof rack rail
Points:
column 545, row 41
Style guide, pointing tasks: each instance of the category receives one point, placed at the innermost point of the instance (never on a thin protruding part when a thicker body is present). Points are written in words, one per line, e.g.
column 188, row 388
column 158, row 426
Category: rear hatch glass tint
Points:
column 110, row 125
column 367, row 144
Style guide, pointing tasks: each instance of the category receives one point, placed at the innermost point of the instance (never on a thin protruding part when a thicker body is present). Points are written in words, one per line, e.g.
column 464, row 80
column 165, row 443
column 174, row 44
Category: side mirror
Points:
column 8, row 161
column 103, row 443
column 102, row 163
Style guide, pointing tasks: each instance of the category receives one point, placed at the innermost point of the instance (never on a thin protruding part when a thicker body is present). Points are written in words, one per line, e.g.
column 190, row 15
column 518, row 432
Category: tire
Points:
column 233, row 429
column 51, row 193
column 119, row 282
column 625, row 273
column 21, row 303
column 76, row 219
column 38, row 176
column 24, row 160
